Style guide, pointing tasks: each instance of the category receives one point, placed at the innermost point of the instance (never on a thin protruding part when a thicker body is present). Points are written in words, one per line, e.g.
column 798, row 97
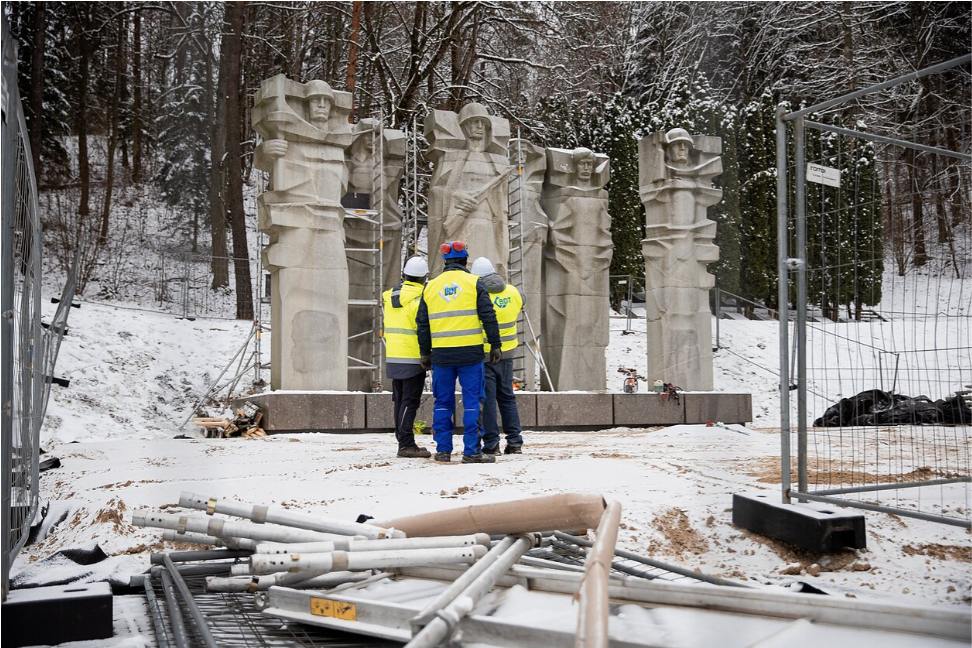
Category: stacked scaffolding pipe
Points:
column 226, row 529
column 260, row 514
column 374, row 545
column 265, row 582
column 593, row 613
column 442, row 615
column 322, row 563
column 202, row 539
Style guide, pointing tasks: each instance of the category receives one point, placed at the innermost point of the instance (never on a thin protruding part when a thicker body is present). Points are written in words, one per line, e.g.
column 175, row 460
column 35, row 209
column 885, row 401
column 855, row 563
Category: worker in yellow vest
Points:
column 507, row 302
column 454, row 311
column 403, row 363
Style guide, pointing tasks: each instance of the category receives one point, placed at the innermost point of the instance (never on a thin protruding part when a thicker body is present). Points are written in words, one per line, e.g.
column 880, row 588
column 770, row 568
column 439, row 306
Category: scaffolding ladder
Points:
column 515, row 264
column 416, row 217
column 375, row 217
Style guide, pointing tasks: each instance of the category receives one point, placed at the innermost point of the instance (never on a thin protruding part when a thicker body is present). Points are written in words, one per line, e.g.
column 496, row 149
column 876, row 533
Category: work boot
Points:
column 513, row 449
column 479, row 458
column 444, row 457
column 414, row 452
column 492, row 451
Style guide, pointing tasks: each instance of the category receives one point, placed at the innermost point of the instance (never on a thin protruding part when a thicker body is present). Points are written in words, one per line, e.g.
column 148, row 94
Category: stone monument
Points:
column 577, row 263
column 676, row 172
column 468, row 197
column 532, row 167
column 361, row 235
column 305, row 133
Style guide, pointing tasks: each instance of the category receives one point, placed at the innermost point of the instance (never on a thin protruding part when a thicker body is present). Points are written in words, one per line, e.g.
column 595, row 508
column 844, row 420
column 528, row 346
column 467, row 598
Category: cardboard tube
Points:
column 592, row 617
column 535, row 514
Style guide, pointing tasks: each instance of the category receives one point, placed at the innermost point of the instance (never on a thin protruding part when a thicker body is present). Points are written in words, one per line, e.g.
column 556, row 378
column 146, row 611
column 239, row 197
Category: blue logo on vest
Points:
column 502, row 302
column 450, row 292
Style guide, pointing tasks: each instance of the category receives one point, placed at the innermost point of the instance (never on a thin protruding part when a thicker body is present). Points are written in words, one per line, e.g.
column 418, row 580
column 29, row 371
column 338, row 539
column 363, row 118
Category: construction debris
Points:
column 409, row 580
column 246, row 425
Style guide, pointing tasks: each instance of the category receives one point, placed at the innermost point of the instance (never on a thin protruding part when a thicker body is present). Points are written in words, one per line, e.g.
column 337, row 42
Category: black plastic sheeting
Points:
column 876, row 407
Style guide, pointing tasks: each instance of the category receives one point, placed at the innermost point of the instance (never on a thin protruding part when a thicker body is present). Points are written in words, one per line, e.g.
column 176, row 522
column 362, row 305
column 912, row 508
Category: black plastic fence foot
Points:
column 817, row 527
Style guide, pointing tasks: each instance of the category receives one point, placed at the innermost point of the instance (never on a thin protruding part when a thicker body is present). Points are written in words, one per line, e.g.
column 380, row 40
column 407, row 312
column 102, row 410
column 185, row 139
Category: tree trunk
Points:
column 35, row 128
column 217, row 210
column 84, row 171
column 137, row 98
column 113, row 108
column 353, row 54
column 917, row 211
column 232, row 51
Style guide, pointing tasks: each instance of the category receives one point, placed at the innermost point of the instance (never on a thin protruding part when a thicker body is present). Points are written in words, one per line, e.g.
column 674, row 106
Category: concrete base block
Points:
column 526, row 407
column 58, row 614
column 310, row 411
column 817, row 527
column 717, row 407
column 646, row 410
column 358, row 412
column 568, row 410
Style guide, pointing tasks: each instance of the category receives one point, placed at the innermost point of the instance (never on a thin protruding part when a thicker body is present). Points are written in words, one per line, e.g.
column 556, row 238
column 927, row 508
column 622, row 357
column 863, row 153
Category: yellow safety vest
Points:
column 453, row 318
column 507, row 303
column 400, row 331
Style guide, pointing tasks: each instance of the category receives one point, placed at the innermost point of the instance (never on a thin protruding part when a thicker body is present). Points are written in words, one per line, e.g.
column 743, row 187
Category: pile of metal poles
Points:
column 276, row 547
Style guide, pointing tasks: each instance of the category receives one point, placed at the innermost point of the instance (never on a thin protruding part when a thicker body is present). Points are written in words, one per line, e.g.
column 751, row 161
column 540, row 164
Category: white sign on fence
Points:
column 823, row 175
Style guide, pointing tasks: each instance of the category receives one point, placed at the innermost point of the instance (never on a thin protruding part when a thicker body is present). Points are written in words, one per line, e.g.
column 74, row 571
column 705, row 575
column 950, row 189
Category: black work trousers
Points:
column 406, row 397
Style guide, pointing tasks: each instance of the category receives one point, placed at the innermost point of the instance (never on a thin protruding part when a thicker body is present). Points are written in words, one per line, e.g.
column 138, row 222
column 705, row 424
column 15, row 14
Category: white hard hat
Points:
column 416, row 267
column 482, row 267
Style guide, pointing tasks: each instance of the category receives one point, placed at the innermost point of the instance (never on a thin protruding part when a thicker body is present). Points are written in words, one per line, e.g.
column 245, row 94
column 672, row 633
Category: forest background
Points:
column 150, row 101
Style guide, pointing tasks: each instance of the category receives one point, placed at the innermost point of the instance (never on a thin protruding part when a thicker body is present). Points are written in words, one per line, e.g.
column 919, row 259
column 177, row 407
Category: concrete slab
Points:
column 817, row 527
column 310, row 411
column 645, row 410
column 574, row 409
column 717, row 407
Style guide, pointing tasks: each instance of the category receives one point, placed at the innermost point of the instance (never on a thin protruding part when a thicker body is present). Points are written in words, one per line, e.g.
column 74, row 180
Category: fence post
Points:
column 718, row 310
column 630, row 300
column 783, row 297
column 801, row 323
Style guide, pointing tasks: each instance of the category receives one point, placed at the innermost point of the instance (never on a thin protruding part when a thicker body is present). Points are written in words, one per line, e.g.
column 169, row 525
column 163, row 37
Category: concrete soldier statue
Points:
column 305, row 133
column 577, row 264
column 676, row 172
column 468, row 194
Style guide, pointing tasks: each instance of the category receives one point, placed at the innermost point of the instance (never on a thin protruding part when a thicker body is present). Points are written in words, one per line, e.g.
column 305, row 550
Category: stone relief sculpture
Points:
column 468, row 193
column 676, row 172
column 361, row 234
column 577, row 262
column 306, row 132
column 533, row 162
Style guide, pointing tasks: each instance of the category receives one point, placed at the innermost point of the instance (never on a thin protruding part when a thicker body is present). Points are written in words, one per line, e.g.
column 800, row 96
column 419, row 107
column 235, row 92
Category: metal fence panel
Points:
column 854, row 202
column 22, row 336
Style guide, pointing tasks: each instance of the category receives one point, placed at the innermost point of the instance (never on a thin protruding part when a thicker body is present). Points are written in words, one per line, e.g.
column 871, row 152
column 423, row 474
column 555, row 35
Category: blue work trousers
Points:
column 444, row 389
column 499, row 393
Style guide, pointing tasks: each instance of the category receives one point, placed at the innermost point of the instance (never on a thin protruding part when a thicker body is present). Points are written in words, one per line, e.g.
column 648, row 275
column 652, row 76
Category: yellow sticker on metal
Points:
column 334, row 609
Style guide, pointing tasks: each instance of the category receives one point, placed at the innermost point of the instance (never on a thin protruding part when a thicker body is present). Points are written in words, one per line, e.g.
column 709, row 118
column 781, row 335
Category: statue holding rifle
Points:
column 468, row 196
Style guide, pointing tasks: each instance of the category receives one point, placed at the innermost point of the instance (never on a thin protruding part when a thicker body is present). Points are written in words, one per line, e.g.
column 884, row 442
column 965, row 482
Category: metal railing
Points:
column 843, row 196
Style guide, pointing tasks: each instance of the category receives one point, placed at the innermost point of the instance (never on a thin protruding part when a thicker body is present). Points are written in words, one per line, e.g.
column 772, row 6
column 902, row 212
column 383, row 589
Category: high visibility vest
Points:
column 401, row 305
column 453, row 318
column 508, row 303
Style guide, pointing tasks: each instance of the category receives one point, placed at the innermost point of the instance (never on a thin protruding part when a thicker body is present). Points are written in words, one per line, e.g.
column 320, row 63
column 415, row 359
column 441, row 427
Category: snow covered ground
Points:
column 135, row 376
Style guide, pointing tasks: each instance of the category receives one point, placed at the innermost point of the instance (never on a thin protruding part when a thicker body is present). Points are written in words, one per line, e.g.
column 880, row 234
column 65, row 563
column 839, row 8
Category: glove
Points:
column 495, row 355
column 425, row 362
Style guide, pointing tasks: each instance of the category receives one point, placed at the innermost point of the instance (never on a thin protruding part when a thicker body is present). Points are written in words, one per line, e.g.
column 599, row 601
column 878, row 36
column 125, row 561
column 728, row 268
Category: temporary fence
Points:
column 29, row 348
column 875, row 258
column 627, row 299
